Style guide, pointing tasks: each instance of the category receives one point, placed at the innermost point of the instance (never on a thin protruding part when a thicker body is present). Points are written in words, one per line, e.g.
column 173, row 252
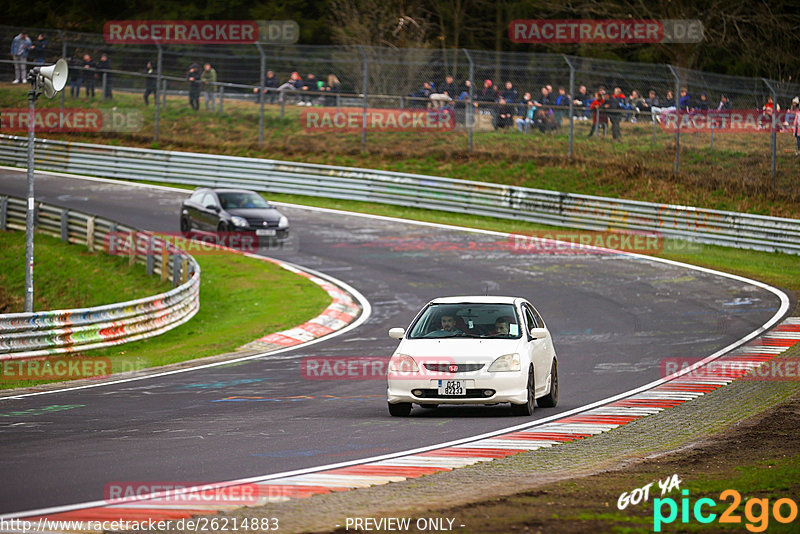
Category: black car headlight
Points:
column 239, row 222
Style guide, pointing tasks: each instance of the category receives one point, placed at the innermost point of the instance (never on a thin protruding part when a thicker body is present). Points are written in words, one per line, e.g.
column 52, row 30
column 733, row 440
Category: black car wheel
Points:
column 401, row 409
column 527, row 408
column 186, row 226
column 222, row 227
column 551, row 399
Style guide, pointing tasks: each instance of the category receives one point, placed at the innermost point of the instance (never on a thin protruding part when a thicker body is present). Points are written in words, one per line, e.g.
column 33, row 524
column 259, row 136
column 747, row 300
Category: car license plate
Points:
column 265, row 232
column 452, row 387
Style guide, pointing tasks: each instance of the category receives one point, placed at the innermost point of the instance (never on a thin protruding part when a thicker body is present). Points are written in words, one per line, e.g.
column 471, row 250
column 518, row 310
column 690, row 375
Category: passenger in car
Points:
column 500, row 326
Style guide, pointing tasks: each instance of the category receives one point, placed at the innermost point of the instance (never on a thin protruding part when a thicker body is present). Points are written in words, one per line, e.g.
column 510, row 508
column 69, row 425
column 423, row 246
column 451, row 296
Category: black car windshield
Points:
column 242, row 199
column 467, row 320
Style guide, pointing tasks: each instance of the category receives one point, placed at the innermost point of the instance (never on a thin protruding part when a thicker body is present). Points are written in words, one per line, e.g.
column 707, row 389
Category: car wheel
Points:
column 551, row 399
column 401, row 409
column 527, row 408
column 222, row 227
column 186, row 226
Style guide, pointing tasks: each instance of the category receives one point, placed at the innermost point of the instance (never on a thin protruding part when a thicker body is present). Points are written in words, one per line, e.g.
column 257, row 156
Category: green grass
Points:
column 735, row 175
column 241, row 299
column 68, row 276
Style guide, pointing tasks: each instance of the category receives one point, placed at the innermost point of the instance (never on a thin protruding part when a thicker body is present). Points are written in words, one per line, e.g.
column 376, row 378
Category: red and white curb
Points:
column 686, row 385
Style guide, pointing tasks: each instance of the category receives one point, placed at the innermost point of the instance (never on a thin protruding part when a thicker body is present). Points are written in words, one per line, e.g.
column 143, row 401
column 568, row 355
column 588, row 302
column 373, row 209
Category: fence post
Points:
column 221, row 98
column 176, row 269
column 150, row 258
column 469, row 109
column 3, row 213
column 364, row 117
column 105, row 81
column 64, row 225
column 571, row 105
column 773, row 138
column 677, row 95
column 164, row 94
column 263, row 74
column 158, row 86
column 64, row 55
column 282, row 98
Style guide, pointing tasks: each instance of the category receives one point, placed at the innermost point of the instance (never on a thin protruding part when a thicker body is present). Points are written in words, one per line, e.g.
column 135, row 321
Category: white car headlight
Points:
column 239, row 221
column 283, row 222
column 506, row 362
column 402, row 364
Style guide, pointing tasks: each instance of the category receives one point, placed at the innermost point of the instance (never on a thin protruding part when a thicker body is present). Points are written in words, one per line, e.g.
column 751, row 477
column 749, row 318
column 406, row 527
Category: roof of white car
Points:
column 477, row 299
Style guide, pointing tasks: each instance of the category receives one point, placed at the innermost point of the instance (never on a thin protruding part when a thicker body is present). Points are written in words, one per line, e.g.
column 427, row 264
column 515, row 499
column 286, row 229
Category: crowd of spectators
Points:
column 503, row 105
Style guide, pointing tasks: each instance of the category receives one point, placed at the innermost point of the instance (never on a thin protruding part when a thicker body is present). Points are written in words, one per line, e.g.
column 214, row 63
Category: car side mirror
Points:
column 538, row 333
column 397, row 333
column 212, row 207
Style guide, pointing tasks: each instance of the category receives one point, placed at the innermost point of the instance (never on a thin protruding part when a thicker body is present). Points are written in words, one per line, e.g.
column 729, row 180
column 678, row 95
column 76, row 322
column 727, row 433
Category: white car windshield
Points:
column 467, row 320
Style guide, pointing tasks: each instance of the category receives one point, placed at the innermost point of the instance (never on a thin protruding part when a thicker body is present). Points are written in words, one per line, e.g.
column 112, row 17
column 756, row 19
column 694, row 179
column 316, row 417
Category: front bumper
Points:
column 506, row 387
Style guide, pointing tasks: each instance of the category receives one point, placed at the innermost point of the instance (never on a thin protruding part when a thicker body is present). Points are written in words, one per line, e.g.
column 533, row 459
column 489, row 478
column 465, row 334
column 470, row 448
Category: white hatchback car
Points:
column 473, row 350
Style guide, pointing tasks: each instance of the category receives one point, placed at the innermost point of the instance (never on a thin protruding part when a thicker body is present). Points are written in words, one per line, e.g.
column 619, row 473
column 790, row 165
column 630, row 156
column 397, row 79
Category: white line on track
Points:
column 784, row 307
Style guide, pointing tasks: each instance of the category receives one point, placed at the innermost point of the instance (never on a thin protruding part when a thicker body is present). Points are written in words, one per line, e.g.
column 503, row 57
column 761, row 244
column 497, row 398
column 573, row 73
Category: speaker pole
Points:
column 52, row 78
column 29, row 218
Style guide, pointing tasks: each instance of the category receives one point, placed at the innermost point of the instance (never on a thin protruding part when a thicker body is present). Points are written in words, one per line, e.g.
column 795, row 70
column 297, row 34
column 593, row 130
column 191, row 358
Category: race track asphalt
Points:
column 614, row 318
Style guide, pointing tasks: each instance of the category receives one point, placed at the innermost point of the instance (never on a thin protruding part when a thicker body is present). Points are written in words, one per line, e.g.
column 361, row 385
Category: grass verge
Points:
column 241, row 299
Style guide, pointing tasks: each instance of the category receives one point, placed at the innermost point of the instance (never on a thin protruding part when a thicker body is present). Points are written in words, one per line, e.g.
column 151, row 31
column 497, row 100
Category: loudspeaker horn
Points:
column 54, row 77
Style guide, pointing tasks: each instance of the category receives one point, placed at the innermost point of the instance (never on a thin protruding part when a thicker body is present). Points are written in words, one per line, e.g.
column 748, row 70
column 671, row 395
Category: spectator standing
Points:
column 39, row 48
column 724, row 103
column 20, row 46
column 193, row 77
column 332, row 88
column 614, row 106
column 150, row 82
column 652, row 102
column 88, row 73
column 104, row 69
column 209, row 80
column 599, row 118
column 562, row 106
column 75, row 77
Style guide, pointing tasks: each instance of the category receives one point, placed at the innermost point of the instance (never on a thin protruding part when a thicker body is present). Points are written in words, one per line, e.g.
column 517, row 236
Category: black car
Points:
column 232, row 210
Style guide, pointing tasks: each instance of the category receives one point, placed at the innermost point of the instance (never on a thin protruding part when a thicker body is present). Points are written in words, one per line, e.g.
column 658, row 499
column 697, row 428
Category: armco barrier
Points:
column 478, row 198
column 27, row 335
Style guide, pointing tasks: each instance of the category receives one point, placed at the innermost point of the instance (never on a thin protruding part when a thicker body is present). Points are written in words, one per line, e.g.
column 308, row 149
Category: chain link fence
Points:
column 391, row 78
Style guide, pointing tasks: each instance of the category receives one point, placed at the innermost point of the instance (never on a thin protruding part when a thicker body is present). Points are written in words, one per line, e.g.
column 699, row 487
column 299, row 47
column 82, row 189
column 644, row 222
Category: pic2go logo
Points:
column 756, row 511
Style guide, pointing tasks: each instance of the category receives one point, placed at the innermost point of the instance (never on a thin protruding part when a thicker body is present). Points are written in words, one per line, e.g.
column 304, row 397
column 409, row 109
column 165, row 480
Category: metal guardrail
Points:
column 462, row 196
column 27, row 335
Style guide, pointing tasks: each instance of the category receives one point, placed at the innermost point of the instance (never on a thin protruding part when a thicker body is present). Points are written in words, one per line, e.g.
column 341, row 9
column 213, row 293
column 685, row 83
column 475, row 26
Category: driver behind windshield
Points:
column 448, row 327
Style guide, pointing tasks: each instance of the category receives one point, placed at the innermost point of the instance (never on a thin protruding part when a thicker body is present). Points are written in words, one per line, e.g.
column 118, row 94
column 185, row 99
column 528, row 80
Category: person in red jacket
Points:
column 599, row 119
